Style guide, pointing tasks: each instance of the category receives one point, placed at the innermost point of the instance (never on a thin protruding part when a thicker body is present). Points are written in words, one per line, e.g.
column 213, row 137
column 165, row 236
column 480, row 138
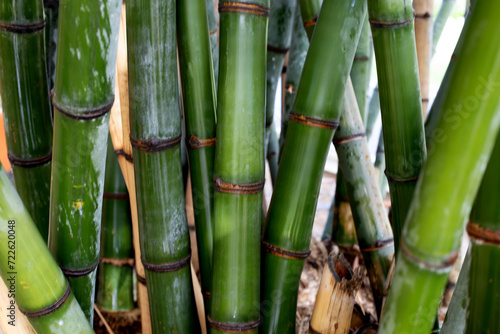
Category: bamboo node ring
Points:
column 128, row 157
column 213, row 32
column 482, row 234
column 269, row 122
column 312, row 121
column 155, row 145
column 30, row 163
column 395, row 180
column 229, row 327
column 347, row 139
column 378, row 245
column 207, row 294
column 118, row 262
column 79, row 272
column 85, row 115
column 276, row 49
column 243, row 7
column 285, row 253
column 194, row 142
column 123, row 196
column 140, row 279
column 233, row 188
column 361, row 58
column 167, row 267
column 311, row 22
column 51, row 308
column 23, row 28
column 445, row 264
column 380, row 24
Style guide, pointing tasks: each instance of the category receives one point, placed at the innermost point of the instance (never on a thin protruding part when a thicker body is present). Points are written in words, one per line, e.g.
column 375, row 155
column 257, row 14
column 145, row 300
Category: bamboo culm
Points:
column 155, row 136
column 312, row 123
column 26, row 106
column 239, row 167
column 445, row 193
column 51, row 30
column 49, row 304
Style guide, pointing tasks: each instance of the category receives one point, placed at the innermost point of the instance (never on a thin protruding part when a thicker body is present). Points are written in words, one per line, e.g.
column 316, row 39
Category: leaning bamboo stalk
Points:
column 335, row 299
column 82, row 100
column 239, row 167
column 25, row 104
column 155, row 135
column 483, row 228
column 198, row 92
column 424, row 10
column 439, row 23
column 400, row 102
column 31, row 274
column 373, row 229
column 445, row 193
column 314, row 118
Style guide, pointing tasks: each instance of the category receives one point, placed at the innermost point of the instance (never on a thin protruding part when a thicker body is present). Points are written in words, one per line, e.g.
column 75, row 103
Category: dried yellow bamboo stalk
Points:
column 335, row 300
column 22, row 325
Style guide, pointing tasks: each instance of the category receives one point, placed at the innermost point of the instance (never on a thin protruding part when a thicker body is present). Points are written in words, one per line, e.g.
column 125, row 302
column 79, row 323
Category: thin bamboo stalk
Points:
column 483, row 228
column 373, row 229
column 335, row 299
column 310, row 11
column 373, row 112
column 25, row 104
column 155, row 135
column 296, row 58
column 32, row 276
column 82, row 101
column 439, row 23
column 214, row 38
column 445, row 193
column 400, row 102
column 239, row 166
column 424, row 10
column 315, row 116
column 198, row 91
column 273, row 152
column 114, row 291
column 51, row 30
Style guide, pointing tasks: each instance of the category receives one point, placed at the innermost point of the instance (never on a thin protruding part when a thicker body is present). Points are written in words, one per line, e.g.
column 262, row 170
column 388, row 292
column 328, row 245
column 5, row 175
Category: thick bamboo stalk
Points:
column 82, row 100
column 445, row 193
column 335, row 299
column 198, row 92
column 239, row 166
column 214, row 38
column 315, row 116
column 25, row 104
column 296, row 58
column 439, row 23
column 32, row 276
column 400, row 102
column 51, row 30
column 483, row 228
column 373, row 229
column 424, row 10
column 155, row 135
column 114, row 291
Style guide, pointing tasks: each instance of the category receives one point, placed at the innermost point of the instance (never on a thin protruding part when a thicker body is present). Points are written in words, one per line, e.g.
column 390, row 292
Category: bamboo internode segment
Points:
column 335, row 299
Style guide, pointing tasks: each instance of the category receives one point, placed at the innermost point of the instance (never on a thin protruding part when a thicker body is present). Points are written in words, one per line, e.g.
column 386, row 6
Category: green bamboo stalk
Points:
column 51, row 30
column 310, row 11
column 214, row 40
column 445, row 193
column 373, row 229
column 30, row 272
column 484, row 231
column 198, row 91
column 273, row 153
column 155, row 135
column 380, row 166
column 373, row 112
column 82, row 100
column 278, row 43
column 239, row 166
column 296, row 58
column 115, row 290
column 25, row 104
column 442, row 17
column 315, row 115
column 400, row 101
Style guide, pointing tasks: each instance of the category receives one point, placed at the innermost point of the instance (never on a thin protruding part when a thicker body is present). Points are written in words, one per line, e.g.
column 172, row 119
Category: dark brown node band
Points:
column 378, row 245
column 276, row 49
column 140, row 279
column 155, row 145
column 233, row 188
column 26, row 28
column 85, row 115
column 312, row 121
column 482, row 234
column 346, row 139
column 30, row 163
column 228, row 327
column 243, row 7
column 79, row 272
column 115, row 196
column 194, row 142
column 447, row 263
column 380, row 24
column 311, row 22
column 287, row 254
column 394, row 180
column 118, row 262
column 51, row 308
column 128, row 157
column 167, row 267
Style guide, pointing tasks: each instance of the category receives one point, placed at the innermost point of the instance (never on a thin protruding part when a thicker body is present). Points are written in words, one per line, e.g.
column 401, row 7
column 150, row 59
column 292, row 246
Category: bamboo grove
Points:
column 142, row 141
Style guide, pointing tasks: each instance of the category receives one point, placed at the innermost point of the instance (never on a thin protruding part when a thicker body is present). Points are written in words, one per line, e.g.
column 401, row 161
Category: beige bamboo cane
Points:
column 22, row 325
column 423, row 38
column 335, row 300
